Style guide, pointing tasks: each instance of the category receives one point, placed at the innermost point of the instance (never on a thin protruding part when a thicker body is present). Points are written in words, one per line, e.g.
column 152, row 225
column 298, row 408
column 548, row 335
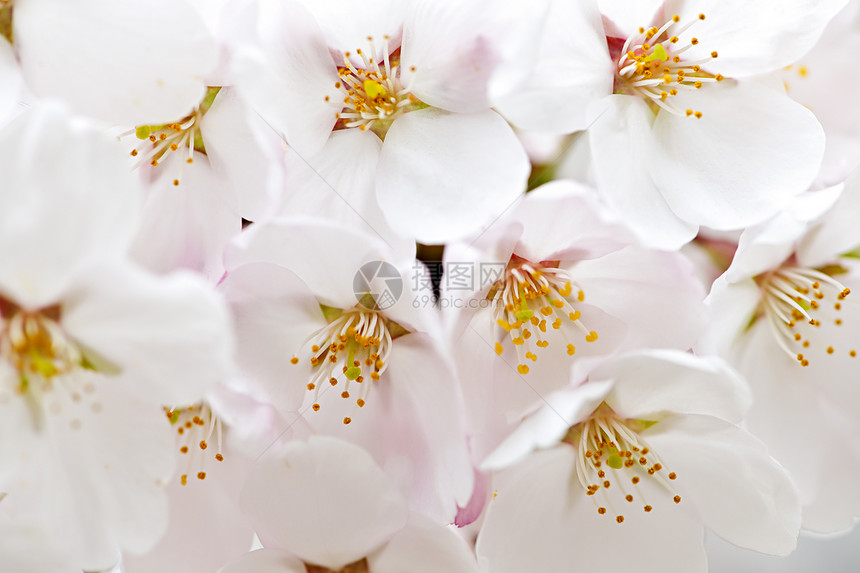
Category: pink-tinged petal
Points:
column 339, row 184
column 423, row 382
column 274, row 314
column 752, row 150
column 240, row 147
column 126, row 63
column 446, row 59
column 571, row 70
column 334, row 504
column 541, row 519
column 753, row 38
column 266, row 560
column 185, row 226
column 627, row 16
column 289, row 75
column 57, row 221
column 674, row 315
column 424, row 546
column 620, row 138
column 436, row 182
column 170, row 335
column 651, row 384
column 547, row 426
column 733, row 485
column 206, row 528
column 338, row 254
column 562, row 220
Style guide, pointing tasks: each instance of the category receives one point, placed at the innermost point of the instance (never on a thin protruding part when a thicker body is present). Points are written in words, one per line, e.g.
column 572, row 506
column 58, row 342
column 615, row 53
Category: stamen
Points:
column 650, row 66
column 529, row 295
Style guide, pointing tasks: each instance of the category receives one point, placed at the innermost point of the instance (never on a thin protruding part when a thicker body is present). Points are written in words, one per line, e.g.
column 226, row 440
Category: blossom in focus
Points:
column 403, row 74
column 784, row 314
column 628, row 469
column 681, row 130
column 559, row 284
column 322, row 330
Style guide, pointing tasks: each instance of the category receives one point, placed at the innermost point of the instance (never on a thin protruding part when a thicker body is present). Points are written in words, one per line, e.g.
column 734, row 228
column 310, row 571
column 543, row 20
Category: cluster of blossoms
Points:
column 317, row 286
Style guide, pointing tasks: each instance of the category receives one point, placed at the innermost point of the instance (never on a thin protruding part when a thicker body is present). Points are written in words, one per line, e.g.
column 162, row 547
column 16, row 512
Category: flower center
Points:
column 533, row 300
column 796, row 302
column 357, row 342
column 195, row 426
column 651, row 66
column 161, row 140
column 360, row 566
column 373, row 91
column 610, row 451
column 48, row 363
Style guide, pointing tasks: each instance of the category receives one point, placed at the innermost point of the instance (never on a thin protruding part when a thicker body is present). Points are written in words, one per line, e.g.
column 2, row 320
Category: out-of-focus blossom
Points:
column 90, row 345
column 631, row 467
column 326, row 506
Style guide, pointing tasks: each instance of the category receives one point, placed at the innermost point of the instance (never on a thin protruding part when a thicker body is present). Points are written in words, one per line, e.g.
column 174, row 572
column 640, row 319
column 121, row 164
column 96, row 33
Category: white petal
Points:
column 732, row 306
column 836, row 232
column 651, row 384
column 274, row 314
column 327, row 259
column 737, row 489
column 572, row 69
column 620, row 137
column 11, row 80
column 267, row 560
column 620, row 281
column 185, row 226
column 541, row 519
column 125, row 63
column 339, row 184
column 334, row 506
column 562, row 220
column 56, row 221
column 170, row 334
column 754, row 38
column 547, row 426
column 436, row 181
column 288, row 77
column 424, row 546
column 239, row 146
column 348, row 24
column 744, row 159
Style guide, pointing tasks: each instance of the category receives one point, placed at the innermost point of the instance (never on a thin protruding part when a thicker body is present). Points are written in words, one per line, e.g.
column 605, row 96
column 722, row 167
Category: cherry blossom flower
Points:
column 90, row 345
column 560, row 285
column 415, row 79
column 631, row 467
column 205, row 173
column 322, row 333
column 682, row 131
column 784, row 315
column 326, row 506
